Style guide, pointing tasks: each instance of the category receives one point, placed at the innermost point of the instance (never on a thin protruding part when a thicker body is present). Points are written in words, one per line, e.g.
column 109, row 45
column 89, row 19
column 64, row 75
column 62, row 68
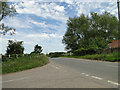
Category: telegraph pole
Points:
column 118, row 10
column 118, row 17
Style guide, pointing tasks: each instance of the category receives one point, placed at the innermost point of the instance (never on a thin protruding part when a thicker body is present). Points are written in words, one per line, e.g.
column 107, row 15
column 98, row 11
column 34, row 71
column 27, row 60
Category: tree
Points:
column 77, row 33
column 91, row 33
column 15, row 47
column 104, row 25
column 37, row 49
column 6, row 10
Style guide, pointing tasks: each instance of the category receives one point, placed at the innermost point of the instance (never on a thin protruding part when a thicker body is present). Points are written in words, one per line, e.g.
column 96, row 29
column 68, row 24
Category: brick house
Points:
column 114, row 44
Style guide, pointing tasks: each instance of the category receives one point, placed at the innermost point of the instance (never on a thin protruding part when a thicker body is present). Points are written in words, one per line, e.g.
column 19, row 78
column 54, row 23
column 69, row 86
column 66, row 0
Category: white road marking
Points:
column 83, row 73
column 14, row 80
column 55, row 67
column 87, row 75
column 92, row 76
column 113, row 82
column 97, row 77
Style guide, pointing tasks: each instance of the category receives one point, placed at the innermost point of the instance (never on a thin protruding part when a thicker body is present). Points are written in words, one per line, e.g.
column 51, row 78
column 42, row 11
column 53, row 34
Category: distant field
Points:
column 112, row 57
column 23, row 63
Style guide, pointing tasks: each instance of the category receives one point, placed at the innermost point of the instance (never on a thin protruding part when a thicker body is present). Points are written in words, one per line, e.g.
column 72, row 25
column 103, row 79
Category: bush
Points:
column 91, row 51
column 56, row 54
column 80, row 52
column 4, row 58
column 83, row 51
column 112, row 57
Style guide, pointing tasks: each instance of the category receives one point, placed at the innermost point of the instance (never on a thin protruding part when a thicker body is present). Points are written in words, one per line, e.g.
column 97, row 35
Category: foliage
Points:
column 80, row 52
column 24, row 63
column 112, row 57
column 4, row 58
column 56, row 54
column 15, row 47
column 91, row 33
column 77, row 28
column 6, row 10
column 83, row 51
column 37, row 49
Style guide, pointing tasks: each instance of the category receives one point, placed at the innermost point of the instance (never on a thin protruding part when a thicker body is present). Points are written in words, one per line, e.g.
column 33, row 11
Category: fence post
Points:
column 9, row 56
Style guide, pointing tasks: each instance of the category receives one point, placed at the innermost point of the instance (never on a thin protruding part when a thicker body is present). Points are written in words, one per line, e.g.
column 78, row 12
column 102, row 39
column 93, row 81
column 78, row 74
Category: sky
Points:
column 43, row 22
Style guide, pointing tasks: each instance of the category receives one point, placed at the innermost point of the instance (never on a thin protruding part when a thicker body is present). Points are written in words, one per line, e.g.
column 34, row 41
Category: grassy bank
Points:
column 112, row 57
column 23, row 63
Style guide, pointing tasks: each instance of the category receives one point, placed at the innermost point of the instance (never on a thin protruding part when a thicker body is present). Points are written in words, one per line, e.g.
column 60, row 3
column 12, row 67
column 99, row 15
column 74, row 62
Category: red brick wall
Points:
column 114, row 44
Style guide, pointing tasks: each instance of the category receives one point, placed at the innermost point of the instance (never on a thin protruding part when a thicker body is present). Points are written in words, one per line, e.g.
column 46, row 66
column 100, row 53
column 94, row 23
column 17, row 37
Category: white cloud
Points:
column 43, row 36
column 45, row 10
column 67, row 1
column 100, row 7
column 17, row 22
column 59, row 8
column 41, row 24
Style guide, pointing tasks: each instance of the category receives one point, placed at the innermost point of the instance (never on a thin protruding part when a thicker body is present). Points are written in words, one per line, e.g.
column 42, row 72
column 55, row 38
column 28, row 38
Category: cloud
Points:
column 99, row 7
column 43, row 36
column 67, row 1
column 17, row 22
column 45, row 10
column 41, row 24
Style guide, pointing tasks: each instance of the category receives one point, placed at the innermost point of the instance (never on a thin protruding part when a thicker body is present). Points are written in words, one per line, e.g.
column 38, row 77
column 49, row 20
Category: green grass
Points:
column 112, row 57
column 23, row 63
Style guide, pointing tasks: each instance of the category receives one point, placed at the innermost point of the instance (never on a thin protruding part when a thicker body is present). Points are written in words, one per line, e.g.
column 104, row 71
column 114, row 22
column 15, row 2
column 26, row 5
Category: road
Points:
column 66, row 73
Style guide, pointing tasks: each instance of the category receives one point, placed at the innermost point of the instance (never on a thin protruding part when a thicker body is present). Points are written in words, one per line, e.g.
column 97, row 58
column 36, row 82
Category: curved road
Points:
column 66, row 73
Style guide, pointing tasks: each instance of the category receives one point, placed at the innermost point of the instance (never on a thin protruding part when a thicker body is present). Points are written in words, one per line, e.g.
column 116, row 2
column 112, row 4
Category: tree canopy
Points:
column 93, row 32
column 15, row 47
column 6, row 10
column 37, row 49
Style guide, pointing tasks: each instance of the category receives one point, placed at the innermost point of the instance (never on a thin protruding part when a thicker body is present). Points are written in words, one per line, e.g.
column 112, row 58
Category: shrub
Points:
column 4, row 58
column 80, row 52
column 56, row 54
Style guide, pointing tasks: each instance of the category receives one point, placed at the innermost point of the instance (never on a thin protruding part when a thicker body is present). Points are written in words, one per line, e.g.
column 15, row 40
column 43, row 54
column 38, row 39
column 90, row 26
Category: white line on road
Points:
column 87, row 75
column 14, row 80
column 55, row 67
column 113, row 82
column 83, row 73
column 97, row 77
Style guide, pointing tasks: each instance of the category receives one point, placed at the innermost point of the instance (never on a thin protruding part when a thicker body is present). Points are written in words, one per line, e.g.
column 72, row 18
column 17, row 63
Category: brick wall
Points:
column 114, row 44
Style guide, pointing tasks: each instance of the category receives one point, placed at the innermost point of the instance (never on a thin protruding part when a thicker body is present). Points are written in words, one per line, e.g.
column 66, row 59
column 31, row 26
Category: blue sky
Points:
column 43, row 22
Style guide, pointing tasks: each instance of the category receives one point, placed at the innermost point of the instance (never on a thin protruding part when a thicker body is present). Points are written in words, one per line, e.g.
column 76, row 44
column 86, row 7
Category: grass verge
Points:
column 112, row 57
column 23, row 63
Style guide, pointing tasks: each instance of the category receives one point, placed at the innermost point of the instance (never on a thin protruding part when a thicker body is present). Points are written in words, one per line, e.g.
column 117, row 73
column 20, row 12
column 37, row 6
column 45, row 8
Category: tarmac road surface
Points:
column 66, row 73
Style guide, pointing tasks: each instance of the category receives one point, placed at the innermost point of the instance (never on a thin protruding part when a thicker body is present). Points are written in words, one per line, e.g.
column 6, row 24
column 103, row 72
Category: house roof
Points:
column 114, row 44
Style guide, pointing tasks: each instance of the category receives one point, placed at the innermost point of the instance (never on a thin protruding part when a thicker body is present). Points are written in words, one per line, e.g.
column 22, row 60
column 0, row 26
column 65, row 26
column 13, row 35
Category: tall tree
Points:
column 77, row 32
column 104, row 25
column 15, row 47
column 6, row 10
column 93, row 32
